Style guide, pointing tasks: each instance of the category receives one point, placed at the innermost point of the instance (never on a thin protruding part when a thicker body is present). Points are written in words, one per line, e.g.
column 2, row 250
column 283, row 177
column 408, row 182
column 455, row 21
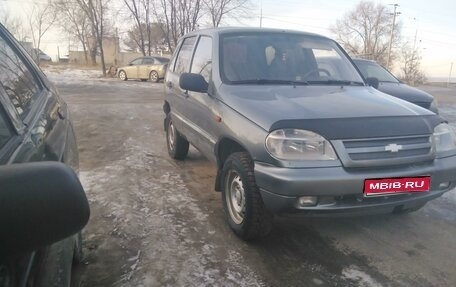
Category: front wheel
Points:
column 154, row 77
column 177, row 144
column 242, row 202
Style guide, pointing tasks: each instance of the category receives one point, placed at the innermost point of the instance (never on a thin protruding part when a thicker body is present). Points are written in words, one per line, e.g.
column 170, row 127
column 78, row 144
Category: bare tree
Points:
column 73, row 20
column 146, row 4
column 40, row 19
column 177, row 17
column 220, row 9
column 95, row 11
column 14, row 24
column 365, row 31
column 411, row 66
column 136, row 11
column 153, row 34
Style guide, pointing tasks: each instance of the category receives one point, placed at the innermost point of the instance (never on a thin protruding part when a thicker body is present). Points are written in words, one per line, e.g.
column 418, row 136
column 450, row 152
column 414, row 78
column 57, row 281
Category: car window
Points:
column 247, row 57
column 148, row 61
column 202, row 60
column 184, row 56
column 17, row 80
column 136, row 62
column 373, row 70
column 5, row 130
column 162, row 60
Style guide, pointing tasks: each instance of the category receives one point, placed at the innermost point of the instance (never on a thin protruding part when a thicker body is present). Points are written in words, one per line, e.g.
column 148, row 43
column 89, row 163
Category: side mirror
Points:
column 373, row 82
column 193, row 82
column 40, row 203
column 130, row 64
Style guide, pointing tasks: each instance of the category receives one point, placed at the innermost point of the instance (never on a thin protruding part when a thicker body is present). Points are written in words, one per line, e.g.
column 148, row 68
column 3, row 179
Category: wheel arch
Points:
column 166, row 110
column 223, row 149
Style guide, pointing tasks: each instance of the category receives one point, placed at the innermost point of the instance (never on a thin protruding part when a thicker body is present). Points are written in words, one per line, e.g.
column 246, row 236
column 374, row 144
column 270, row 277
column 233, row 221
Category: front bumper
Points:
column 340, row 190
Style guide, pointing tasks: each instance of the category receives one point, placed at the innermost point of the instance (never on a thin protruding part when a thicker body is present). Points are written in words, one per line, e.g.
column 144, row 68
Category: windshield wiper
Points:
column 338, row 82
column 269, row 81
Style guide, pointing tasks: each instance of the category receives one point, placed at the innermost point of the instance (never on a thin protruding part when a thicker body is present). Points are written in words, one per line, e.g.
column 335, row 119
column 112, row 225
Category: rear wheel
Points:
column 153, row 76
column 123, row 75
column 244, row 207
column 177, row 144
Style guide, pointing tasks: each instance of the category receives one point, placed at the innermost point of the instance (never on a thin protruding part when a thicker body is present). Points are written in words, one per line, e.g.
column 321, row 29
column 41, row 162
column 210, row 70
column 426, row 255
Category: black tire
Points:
column 123, row 75
column 176, row 143
column 154, row 77
column 253, row 221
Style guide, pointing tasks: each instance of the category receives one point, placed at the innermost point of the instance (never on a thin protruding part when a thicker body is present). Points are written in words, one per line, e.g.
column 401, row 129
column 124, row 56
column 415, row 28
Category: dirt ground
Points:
column 157, row 222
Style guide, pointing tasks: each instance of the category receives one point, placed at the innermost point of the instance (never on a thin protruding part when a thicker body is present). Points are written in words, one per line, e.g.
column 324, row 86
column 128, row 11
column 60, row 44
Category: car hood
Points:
column 405, row 92
column 332, row 111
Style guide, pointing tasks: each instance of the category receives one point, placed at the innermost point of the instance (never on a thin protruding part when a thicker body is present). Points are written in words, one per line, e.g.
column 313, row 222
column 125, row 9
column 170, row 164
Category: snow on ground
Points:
column 362, row 278
column 76, row 75
column 144, row 215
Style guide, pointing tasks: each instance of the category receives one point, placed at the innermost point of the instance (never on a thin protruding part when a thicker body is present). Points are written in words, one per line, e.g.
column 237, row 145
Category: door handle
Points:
column 169, row 84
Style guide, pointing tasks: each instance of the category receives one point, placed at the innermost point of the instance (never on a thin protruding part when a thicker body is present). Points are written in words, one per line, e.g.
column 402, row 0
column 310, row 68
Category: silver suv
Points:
column 291, row 135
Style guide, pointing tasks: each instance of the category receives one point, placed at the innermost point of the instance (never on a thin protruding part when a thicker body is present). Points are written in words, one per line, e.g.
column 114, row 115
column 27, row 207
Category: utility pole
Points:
column 261, row 13
column 416, row 34
column 449, row 76
column 392, row 34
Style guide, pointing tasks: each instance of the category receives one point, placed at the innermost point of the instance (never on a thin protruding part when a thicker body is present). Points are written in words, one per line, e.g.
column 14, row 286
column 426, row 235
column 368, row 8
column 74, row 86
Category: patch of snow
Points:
column 360, row 277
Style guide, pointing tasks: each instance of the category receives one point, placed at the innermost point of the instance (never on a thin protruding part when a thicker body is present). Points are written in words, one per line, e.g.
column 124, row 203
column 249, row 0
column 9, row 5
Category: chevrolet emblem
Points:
column 393, row 147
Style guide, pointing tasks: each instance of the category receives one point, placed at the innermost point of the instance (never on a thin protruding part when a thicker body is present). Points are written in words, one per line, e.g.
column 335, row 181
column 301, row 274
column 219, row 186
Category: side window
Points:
column 17, row 80
column 136, row 62
column 148, row 61
column 5, row 129
column 202, row 61
column 184, row 56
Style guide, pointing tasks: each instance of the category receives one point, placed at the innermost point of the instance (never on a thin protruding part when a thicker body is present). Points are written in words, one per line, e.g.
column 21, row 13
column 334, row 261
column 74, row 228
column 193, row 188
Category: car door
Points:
column 40, row 115
column 145, row 68
column 132, row 69
column 202, row 109
column 34, row 126
column 177, row 98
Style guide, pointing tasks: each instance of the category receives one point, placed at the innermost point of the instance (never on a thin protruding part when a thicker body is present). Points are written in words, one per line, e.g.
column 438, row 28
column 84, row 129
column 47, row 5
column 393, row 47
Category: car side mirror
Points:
column 373, row 82
column 193, row 82
column 130, row 64
column 40, row 203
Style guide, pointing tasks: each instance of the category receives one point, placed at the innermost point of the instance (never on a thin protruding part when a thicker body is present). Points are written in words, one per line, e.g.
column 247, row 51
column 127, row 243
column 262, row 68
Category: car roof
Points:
column 364, row 60
column 228, row 30
column 154, row 57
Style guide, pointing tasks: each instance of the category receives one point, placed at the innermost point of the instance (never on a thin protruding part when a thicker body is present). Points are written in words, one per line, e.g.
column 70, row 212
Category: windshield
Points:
column 374, row 70
column 278, row 58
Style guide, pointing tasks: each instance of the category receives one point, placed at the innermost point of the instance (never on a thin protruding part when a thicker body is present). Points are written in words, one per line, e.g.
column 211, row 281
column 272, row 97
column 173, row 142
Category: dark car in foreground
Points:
column 389, row 84
column 43, row 206
column 290, row 136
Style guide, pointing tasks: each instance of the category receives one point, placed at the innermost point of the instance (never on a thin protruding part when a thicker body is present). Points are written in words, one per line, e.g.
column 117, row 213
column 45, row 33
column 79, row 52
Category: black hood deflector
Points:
column 366, row 127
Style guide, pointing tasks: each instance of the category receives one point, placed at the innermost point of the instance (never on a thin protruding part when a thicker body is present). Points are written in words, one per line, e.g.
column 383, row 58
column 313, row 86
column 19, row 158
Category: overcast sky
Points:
column 435, row 22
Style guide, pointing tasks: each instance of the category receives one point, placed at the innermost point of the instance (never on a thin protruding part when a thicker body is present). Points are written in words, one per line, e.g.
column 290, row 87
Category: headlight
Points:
column 297, row 145
column 433, row 107
column 444, row 138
